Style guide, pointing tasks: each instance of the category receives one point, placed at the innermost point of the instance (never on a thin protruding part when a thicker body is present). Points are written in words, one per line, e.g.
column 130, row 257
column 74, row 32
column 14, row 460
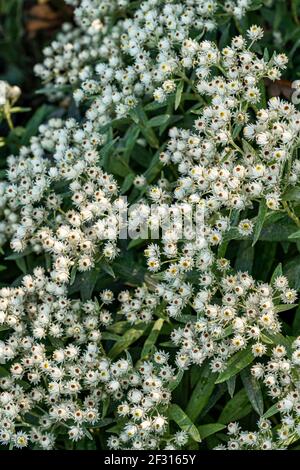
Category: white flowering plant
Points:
column 150, row 227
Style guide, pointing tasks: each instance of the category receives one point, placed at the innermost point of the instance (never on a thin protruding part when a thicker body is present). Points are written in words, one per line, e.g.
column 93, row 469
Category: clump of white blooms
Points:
column 143, row 406
column 230, row 314
column 280, row 376
column 53, row 352
column 130, row 57
column 59, row 377
column 67, row 205
column 209, row 160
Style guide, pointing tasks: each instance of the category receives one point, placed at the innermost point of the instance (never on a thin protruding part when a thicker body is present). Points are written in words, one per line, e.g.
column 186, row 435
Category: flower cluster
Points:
column 280, row 375
column 67, row 205
column 142, row 408
column 71, row 57
column 127, row 58
column 231, row 313
column 59, row 376
column 211, row 163
column 53, row 350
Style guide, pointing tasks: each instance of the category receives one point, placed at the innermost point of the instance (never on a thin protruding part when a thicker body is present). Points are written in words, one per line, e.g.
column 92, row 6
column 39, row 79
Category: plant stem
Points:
column 291, row 213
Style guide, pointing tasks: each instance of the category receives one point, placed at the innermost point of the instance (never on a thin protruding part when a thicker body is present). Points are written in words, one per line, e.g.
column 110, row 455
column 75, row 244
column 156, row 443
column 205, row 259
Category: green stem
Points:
column 291, row 213
column 9, row 120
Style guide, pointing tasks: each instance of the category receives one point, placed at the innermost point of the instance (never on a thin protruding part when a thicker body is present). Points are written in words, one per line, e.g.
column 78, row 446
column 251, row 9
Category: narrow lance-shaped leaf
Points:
column 127, row 183
column 184, row 422
column 262, row 212
column 284, row 307
column 277, row 272
column 158, row 120
column 201, row 393
column 207, row 430
column 296, row 322
column 236, row 408
column 177, row 379
column 236, row 363
column 231, row 385
column 294, row 235
column 33, row 124
column 127, row 339
column 178, row 94
column 151, row 340
column 253, row 390
column 270, row 412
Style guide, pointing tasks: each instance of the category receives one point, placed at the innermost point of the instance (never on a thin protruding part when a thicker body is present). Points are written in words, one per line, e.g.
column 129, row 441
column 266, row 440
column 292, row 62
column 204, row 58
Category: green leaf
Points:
column 255, row 5
column 130, row 140
column 248, row 149
column 178, row 415
column 158, row 120
column 207, row 430
column 139, row 116
column 296, row 322
column 87, row 433
column 277, row 272
column 284, row 307
column 87, row 283
column 270, row 412
column 117, row 165
column 292, row 194
column 295, row 235
column 154, row 106
column 263, row 96
column 292, row 271
column 253, row 390
column 106, row 267
column 100, row 424
column 225, row 36
column 105, row 407
column 154, row 168
column 266, row 55
column 129, row 337
column 106, row 151
column 73, row 274
column 118, row 426
column 176, row 381
column 151, row 340
column 127, row 183
column 21, row 263
column 232, row 234
column 33, row 124
column 110, row 336
column 262, row 212
column 119, row 327
column 245, row 257
column 278, row 231
column 236, row 408
column 201, row 393
column 236, row 363
column 15, row 256
column 278, row 338
column 135, row 242
column 231, row 385
column 295, row 4
column 18, row 109
column 4, row 372
column 178, row 94
column 4, row 328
